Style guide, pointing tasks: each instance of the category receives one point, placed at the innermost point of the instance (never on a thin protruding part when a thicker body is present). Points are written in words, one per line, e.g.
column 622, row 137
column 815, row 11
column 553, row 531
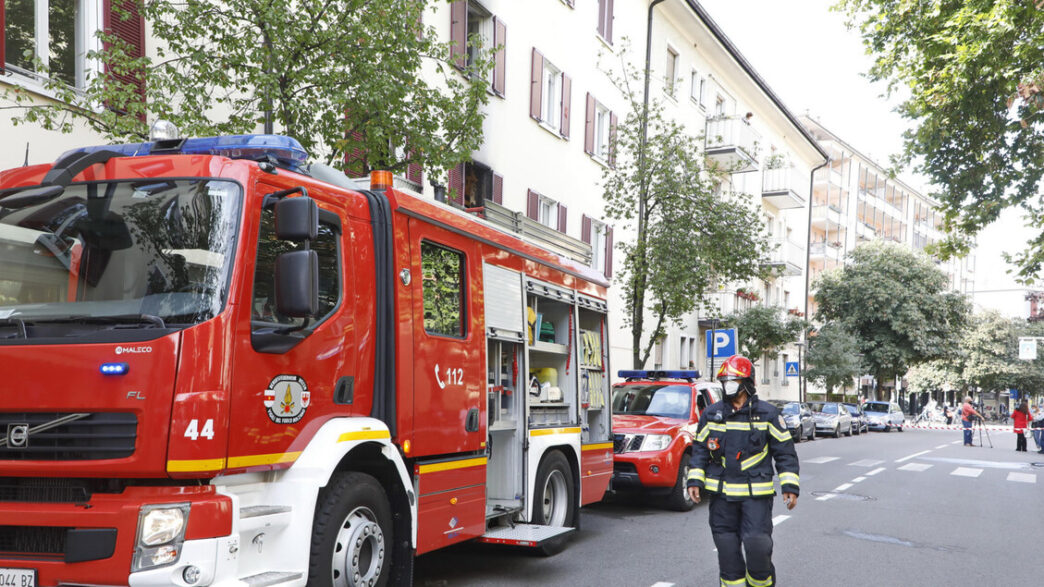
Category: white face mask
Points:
column 730, row 388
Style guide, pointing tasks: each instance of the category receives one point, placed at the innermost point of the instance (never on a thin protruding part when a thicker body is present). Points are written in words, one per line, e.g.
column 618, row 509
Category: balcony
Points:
column 865, row 232
column 788, row 257
column 533, row 232
column 825, row 255
column 826, row 216
column 779, row 187
column 732, row 144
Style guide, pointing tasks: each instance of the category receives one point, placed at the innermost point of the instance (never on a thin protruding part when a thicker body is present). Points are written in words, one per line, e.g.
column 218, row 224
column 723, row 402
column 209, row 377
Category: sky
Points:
column 816, row 65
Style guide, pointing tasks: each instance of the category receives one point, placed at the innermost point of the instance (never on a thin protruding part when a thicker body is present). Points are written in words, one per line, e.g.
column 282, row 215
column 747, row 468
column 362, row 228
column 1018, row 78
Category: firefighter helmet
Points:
column 736, row 374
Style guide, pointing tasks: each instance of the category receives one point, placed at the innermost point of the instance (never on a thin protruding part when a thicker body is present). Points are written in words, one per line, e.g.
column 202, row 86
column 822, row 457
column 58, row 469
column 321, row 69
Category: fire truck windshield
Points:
column 120, row 254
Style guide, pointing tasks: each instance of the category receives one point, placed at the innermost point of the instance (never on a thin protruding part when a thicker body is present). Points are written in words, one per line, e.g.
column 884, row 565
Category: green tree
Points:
column 762, row 330
column 688, row 237
column 337, row 75
column 974, row 77
column 895, row 301
column 936, row 376
column 833, row 357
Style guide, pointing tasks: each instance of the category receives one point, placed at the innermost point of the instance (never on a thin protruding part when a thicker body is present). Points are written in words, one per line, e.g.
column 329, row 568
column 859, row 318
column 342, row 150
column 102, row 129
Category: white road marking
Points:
column 957, row 442
column 982, row 464
column 942, row 446
column 875, row 471
column 821, row 460
column 1022, row 477
column 915, row 467
column 662, row 584
column 916, row 454
column 865, row 463
column 826, row 497
column 842, row 487
column 858, row 479
column 775, row 522
column 966, row 472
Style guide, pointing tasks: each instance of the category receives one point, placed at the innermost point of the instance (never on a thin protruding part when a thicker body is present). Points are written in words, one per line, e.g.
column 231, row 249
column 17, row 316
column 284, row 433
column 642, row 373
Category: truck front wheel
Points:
column 352, row 535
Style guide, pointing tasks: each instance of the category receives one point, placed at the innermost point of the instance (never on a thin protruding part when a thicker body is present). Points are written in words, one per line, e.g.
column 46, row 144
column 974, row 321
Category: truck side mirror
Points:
column 296, row 219
column 297, row 283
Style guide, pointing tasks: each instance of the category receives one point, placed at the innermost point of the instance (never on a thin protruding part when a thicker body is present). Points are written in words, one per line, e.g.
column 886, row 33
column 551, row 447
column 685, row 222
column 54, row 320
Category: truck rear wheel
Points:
column 679, row 499
column 555, row 495
column 352, row 535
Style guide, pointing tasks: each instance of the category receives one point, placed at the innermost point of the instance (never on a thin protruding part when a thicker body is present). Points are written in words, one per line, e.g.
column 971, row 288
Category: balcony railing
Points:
column 788, row 256
column 782, row 187
column 826, row 251
column 826, row 215
column 532, row 231
column 733, row 144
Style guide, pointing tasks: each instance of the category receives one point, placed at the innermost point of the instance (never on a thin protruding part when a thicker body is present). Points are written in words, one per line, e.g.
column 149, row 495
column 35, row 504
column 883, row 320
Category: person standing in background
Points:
column 967, row 413
column 1038, row 427
column 1020, row 419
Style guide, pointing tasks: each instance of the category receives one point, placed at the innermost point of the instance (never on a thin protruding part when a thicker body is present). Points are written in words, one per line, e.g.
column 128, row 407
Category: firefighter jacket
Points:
column 732, row 450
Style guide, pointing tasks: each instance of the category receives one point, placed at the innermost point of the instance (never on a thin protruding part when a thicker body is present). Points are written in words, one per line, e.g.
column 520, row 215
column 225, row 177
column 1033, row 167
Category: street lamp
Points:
column 801, row 371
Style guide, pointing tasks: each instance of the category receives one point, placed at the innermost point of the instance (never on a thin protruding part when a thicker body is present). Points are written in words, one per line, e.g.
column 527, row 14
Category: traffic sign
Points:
column 1028, row 349
column 792, row 369
column 721, row 343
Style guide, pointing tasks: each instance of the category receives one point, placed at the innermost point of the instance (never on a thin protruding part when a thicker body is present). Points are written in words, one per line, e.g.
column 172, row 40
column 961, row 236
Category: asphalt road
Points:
column 910, row 508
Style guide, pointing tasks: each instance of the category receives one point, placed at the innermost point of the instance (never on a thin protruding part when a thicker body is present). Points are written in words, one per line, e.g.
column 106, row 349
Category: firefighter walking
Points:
column 731, row 460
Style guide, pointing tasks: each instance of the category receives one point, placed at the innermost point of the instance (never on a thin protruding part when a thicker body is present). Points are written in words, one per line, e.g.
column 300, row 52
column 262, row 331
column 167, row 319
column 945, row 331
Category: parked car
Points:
column 860, row 423
column 798, row 417
column 884, row 415
column 831, row 418
column 655, row 415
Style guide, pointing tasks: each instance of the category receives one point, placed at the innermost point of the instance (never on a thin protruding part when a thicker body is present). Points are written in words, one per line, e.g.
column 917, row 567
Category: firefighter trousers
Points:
column 739, row 526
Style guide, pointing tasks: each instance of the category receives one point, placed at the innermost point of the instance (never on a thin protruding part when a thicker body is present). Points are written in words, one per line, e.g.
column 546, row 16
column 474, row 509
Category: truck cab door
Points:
column 448, row 342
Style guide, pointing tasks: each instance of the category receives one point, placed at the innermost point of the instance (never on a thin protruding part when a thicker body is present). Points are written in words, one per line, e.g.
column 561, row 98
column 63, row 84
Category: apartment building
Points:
column 552, row 111
column 854, row 200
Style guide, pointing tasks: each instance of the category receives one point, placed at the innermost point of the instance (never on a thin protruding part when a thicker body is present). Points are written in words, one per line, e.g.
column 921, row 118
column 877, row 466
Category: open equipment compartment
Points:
column 593, row 348
column 551, row 382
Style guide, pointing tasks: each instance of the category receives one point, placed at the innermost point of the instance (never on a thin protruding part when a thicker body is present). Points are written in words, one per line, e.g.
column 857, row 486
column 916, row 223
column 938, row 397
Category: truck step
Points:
column 530, row 535
column 270, row 578
column 254, row 511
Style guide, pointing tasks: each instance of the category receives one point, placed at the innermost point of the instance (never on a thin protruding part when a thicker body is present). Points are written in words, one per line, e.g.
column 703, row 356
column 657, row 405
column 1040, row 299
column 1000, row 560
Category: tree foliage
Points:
column 975, row 80
column 895, row 301
column 833, row 357
column 762, row 330
column 337, row 75
column 689, row 237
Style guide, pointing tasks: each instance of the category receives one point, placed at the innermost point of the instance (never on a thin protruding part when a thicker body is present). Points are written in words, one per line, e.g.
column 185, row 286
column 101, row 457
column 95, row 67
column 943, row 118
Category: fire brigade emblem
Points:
column 286, row 399
column 712, row 444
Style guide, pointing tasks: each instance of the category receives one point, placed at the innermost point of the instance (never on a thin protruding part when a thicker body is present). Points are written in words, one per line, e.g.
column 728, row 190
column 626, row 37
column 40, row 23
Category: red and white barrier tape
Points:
column 987, row 427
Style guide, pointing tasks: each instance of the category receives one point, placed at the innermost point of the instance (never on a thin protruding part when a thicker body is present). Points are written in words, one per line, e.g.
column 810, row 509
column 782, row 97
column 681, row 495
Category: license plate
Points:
column 17, row 578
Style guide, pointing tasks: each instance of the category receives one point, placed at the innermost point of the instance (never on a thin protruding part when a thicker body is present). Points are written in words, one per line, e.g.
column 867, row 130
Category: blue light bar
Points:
column 286, row 151
column 114, row 368
column 659, row 374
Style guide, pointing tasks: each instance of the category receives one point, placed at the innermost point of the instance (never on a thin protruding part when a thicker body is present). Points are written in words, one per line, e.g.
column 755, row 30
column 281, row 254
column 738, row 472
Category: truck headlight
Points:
column 654, row 442
column 161, row 532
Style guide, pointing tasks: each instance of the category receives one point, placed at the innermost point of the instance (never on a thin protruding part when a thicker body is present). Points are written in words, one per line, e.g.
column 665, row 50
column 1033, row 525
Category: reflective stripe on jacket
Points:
column 730, row 454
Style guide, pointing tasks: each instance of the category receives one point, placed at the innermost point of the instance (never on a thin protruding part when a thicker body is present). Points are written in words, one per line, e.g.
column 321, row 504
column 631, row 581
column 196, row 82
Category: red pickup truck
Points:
column 655, row 414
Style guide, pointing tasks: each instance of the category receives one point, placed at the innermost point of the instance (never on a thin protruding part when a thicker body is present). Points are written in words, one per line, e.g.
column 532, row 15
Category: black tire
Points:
column 900, row 428
column 554, row 497
column 849, row 433
column 679, row 500
column 353, row 508
column 837, row 431
column 888, row 428
column 812, row 433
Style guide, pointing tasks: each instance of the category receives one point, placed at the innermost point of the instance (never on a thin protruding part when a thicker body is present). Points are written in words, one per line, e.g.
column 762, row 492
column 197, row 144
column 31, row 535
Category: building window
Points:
column 719, row 106
column 696, row 87
column 443, row 276
column 670, row 71
column 605, row 20
column 548, row 212
column 552, row 99
column 473, row 30
column 549, row 96
column 598, row 240
column 59, row 33
column 601, row 139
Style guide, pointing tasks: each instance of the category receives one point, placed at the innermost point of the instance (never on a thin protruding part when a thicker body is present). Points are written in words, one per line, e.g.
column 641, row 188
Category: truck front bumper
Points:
column 94, row 542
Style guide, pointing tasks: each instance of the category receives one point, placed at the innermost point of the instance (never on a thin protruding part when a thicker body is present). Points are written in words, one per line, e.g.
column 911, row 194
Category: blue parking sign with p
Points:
column 721, row 343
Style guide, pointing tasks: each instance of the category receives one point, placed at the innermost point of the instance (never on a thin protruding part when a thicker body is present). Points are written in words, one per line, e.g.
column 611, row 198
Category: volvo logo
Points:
column 134, row 350
column 18, row 435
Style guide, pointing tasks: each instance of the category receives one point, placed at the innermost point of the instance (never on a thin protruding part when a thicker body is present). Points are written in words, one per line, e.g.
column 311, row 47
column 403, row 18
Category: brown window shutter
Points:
column 589, row 125
column 567, row 90
column 498, row 188
column 533, row 205
column 128, row 25
column 500, row 57
column 601, row 16
column 609, row 21
column 536, row 84
column 459, row 33
column 608, row 251
column 455, row 184
column 415, row 173
column 562, row 218
column 355, row 164
column 612, row 139
column 585, row 229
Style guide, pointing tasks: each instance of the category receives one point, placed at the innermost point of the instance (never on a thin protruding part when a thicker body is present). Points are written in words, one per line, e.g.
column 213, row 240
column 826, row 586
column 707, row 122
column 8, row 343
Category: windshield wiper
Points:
column 118, row 319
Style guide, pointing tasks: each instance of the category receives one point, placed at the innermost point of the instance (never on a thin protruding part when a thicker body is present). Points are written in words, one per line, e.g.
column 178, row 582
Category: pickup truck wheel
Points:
column 679, row 499
column 352, row 537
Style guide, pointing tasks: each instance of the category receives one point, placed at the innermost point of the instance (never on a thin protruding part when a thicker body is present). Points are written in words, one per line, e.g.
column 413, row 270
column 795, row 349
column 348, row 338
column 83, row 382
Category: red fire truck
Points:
column 224, row 366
